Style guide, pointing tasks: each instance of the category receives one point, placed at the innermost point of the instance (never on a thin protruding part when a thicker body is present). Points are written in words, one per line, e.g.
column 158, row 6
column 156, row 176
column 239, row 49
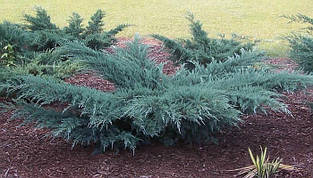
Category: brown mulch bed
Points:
column 156, row 53
column 27, row 152
column 282, row 64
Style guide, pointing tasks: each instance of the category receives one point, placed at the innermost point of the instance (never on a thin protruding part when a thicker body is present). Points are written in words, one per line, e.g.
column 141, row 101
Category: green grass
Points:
column 258, row 19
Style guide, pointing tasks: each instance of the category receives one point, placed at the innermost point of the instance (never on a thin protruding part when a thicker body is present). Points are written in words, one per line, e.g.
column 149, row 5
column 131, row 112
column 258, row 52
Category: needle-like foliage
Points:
column 190, row 106
column 302, row 43
column 200, row 48
column 35, row 40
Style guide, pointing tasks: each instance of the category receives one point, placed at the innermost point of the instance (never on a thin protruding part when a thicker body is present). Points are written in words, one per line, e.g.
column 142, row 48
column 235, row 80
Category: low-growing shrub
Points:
column 35, row 41
column 202, row 49
column 190, row 106
column 302, row 44
column 47, row 35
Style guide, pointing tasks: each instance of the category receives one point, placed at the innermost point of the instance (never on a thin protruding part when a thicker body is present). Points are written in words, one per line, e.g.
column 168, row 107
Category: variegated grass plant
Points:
column 262, row 167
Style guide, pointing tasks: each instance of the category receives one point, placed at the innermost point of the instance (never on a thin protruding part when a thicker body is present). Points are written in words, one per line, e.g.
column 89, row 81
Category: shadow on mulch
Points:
column 27, row 152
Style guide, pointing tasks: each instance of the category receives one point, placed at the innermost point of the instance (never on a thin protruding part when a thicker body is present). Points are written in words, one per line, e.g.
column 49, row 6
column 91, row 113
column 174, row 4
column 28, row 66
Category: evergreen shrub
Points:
column 147, row 105
column 34, row 41
column 202, row 49
column 218, row 81
column 301, row 44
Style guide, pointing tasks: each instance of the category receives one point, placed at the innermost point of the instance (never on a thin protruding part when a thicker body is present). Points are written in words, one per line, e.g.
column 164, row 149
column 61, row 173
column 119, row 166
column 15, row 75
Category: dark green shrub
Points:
column 202, row 49
column 302, row 44
column 190, row 106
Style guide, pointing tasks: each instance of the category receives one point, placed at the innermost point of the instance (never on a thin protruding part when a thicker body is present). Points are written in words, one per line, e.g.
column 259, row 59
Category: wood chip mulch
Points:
column 155, row 52
column 282, row 64
column 91, row 80
column 28, row 152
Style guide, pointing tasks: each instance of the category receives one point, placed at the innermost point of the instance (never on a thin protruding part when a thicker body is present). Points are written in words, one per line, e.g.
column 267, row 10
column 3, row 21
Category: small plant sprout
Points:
column 8, row 56
column 262, row 167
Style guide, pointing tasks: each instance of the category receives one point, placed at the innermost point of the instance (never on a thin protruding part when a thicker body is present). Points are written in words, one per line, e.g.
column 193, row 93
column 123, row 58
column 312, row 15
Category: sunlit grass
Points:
column 257, row 19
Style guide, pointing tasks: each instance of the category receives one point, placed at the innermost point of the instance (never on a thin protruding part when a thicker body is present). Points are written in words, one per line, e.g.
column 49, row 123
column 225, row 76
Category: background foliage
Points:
column 302, row 43
column 249, row 18
column 29, row 47
column 201, row 48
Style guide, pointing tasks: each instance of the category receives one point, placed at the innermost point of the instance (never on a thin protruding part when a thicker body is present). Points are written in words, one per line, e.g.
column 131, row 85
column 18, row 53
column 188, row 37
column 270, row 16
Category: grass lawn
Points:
column 258, row 19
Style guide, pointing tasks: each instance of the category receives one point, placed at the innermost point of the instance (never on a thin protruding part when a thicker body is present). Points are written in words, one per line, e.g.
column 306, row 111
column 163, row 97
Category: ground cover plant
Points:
column 26, row 152
column 208, row 95
column 147, row 105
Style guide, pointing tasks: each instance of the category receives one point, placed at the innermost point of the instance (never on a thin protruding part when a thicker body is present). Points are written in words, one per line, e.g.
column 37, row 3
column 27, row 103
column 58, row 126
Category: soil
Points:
column 28, row 152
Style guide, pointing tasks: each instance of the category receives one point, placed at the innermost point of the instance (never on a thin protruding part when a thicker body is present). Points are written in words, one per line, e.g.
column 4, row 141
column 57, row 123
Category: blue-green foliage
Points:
column 35, row 41
column 48, row 36
column 202, row 49
column 302, row 43
column 190, row 106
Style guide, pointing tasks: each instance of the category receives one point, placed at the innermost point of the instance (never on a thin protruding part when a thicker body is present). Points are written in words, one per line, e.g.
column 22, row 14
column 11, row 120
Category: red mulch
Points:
column 283, row 64
column 90, row 79
column 27, row 152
